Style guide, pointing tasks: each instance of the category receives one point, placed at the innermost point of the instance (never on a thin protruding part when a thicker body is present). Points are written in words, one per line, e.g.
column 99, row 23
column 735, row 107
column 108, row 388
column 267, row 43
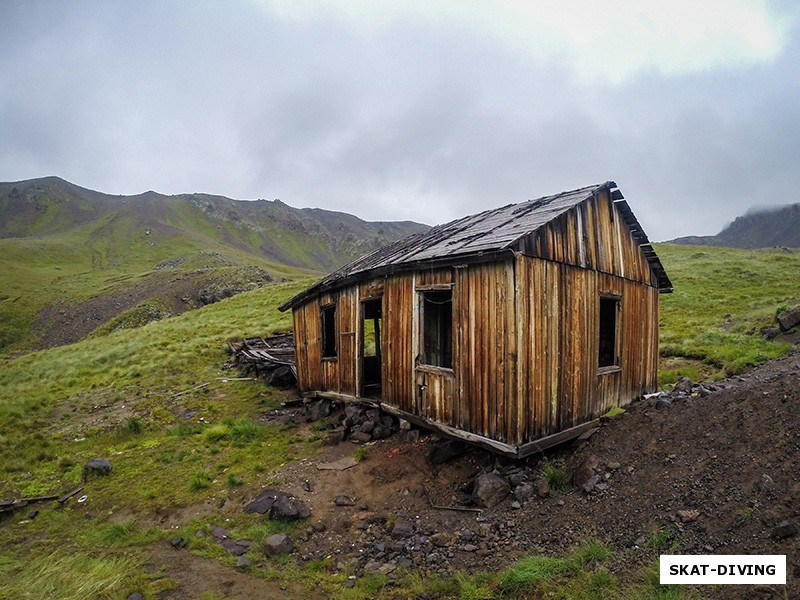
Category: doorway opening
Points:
column 371, row 367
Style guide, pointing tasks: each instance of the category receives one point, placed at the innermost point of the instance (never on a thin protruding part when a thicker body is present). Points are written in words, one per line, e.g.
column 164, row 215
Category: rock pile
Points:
column 355, row 422
column 683, row 390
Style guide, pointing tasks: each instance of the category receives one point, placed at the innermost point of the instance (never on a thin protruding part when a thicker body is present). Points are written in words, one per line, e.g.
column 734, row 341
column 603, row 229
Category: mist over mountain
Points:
column 757, row 228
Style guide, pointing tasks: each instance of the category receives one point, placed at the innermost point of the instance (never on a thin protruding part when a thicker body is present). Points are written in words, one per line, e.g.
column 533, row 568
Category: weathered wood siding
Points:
column 336, row 374
column 525, row 332
column 560, row 384
column 398, row 366
column 485, row 362
column 593, row 235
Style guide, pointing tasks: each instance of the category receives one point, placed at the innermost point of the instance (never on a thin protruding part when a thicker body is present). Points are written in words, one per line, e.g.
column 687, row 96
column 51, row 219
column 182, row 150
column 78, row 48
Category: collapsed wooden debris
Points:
column 272, row 357
column 17, row 503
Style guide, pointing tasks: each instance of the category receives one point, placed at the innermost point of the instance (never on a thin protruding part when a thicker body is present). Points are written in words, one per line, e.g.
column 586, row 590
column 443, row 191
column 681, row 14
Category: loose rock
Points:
column 684, row 384
column 178, row 542
column 585, row 471
column 278, row 543
column 96, row 466
column 785, row 529
column 688, row 516
column 402, row 528
column 490, row 490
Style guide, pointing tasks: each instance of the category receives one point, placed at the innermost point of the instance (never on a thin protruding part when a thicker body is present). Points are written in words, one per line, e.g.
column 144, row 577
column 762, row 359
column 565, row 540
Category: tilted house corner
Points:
column 515, row 328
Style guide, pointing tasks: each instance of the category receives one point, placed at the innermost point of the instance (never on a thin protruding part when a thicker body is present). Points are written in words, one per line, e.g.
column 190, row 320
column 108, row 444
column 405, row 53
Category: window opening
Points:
column 609, row 307
column 437, row 328
column 329, row 331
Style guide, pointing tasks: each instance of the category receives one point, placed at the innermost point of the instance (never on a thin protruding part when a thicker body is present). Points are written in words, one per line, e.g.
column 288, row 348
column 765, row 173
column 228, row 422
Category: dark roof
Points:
column 479, row 236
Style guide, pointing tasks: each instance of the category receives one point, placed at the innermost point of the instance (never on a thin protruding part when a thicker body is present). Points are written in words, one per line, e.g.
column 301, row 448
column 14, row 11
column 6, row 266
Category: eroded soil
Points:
column 707, row 475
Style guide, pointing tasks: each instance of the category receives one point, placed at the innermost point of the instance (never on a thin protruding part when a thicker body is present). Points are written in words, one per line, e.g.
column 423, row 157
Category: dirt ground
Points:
column 718, row 474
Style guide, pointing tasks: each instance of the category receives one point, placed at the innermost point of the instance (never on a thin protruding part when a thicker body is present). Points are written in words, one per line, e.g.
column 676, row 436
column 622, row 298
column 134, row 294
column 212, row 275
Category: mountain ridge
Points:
column 757, row 228
column 76, row 262
column 308, row 238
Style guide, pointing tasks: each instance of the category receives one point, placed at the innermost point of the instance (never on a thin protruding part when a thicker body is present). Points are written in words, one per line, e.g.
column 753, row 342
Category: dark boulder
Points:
column 289, row 509
column 277, row 544
column 490, row 489
column 96, row 466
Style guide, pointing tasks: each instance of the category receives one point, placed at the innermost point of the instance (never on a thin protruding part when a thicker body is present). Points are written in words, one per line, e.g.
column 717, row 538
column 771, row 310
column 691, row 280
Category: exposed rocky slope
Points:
column 709, row 469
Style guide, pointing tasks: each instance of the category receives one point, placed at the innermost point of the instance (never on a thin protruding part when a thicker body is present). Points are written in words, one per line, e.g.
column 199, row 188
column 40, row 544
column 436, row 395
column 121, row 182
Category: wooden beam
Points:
column 555, row 439
column 509, row 450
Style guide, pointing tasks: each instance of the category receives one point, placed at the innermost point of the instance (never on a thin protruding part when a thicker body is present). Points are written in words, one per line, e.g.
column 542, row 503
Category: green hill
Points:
column 74, row 260
column 183, row 433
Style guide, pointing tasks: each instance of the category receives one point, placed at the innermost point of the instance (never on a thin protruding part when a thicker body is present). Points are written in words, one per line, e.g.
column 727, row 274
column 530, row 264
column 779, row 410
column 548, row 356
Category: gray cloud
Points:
column 417, row 119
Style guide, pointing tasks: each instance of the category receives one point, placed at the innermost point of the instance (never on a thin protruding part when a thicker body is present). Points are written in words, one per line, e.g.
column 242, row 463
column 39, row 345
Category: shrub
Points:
column 134, row 425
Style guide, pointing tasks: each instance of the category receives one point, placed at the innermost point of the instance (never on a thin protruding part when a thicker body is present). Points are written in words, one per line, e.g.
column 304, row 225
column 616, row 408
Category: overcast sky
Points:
column 425, row 110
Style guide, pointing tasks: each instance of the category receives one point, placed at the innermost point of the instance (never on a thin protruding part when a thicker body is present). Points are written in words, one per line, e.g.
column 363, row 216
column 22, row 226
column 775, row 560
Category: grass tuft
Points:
column 528, row 572
column 361, row 453
column 201, row 479
column 556, row 477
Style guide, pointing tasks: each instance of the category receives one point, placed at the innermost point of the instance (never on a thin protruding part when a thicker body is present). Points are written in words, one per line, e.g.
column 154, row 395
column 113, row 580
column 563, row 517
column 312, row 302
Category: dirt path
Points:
column 195, row 575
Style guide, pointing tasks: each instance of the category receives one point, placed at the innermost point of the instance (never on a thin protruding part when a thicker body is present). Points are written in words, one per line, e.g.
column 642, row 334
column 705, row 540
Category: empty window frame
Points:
column 608, row 355
column 328, row 318
column 436, row 308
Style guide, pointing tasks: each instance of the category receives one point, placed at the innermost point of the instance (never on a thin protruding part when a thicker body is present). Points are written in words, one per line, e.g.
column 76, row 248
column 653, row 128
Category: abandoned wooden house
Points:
column 515, row 328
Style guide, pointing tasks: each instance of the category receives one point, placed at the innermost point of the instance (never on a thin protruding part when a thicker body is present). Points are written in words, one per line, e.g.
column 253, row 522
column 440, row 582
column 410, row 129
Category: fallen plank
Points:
column 69, row 495
column 17, row 503
column 339, row 465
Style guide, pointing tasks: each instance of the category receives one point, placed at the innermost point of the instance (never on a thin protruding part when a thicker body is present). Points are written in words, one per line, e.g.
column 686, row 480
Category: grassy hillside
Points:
column 74, row 261
column 183, row 434
column 137, row 397
column 121, row 230
column 723, row 298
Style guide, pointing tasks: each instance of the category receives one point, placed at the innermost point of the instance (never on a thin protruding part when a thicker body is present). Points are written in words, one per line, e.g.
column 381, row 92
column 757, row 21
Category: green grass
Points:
column 155, row 401
column 581, row 574
column 722, row 298
column 361, row 453
column 556, row 477
column 136, row 397
column 73, row 576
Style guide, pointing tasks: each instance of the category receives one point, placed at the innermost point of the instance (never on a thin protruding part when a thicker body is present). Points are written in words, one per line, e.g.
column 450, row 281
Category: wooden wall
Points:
column 560, row 384
column 526, row 333
column 594, row 236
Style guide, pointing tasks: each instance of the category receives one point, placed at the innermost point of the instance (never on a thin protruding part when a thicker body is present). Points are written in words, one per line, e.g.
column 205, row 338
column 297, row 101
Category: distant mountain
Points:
column 758, row 228
column 76, row 262
column 114, row 227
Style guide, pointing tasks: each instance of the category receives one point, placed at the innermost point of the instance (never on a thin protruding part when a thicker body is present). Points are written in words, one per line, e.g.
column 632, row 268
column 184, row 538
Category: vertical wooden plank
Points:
column 510, row 325
column 522, row 367
column 491, row 376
